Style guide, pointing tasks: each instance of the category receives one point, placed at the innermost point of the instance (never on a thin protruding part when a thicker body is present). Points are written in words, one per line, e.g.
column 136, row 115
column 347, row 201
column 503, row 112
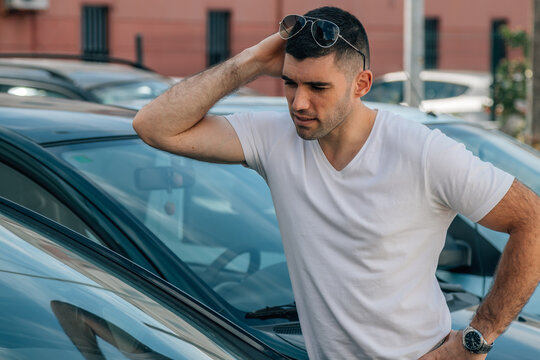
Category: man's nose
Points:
column 301, row 100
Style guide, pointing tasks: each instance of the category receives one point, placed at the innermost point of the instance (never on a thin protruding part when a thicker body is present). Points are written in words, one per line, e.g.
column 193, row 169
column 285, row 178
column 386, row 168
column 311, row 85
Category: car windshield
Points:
column 121, row 92
column 500, row 150
column 219, row 219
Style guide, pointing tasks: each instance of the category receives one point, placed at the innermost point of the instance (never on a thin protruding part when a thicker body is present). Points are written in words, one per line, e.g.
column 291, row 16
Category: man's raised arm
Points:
column 177, row 120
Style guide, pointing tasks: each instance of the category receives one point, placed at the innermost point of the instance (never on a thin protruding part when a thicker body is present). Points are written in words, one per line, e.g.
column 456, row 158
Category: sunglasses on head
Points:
column 324, row 32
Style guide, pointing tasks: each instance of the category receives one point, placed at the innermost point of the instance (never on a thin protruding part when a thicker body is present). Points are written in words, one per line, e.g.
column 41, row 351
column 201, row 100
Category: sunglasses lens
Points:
column 325, row 32
column 290, row 26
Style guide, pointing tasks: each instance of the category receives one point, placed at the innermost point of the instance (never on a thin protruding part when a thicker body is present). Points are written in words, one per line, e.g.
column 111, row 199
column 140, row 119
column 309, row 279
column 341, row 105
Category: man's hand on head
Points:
column 452, row 349
column 178, row 121
column 269, row 55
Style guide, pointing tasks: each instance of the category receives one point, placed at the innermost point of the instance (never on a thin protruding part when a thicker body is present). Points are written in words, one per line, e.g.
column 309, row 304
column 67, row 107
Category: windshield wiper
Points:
column 275, row 312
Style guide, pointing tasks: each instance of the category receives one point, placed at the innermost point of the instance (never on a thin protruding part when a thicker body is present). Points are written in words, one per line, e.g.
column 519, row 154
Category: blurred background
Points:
column 73, row 73
column 487, row 40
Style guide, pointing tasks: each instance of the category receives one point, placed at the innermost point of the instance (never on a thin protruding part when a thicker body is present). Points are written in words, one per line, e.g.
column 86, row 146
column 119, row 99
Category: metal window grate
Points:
column 498, row 48
column 94, row 30
column 431, row 51
column 217, row 37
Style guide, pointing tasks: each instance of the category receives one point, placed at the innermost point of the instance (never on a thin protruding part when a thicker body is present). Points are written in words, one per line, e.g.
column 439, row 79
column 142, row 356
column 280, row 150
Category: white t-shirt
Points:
column 362, row 244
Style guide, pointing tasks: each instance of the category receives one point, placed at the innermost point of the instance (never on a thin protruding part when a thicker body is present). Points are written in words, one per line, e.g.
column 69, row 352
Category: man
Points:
column 363, row 198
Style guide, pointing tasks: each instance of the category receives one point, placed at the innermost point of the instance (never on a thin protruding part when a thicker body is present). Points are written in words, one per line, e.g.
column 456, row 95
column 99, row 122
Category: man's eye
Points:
column 318, row 88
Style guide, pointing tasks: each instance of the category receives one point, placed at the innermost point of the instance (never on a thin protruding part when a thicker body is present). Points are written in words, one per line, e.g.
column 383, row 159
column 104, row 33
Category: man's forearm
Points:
column 186, row 103
column 516, row 279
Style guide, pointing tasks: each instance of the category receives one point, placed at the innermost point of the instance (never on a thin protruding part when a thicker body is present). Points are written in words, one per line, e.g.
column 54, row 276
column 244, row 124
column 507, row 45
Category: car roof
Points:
column 13, row 71
column 411, row 113
column 47, row 120
column 86, row 74
column 231, row 105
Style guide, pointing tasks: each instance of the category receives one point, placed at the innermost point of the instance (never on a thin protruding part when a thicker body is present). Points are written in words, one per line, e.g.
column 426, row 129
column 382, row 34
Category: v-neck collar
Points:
column 317, row 148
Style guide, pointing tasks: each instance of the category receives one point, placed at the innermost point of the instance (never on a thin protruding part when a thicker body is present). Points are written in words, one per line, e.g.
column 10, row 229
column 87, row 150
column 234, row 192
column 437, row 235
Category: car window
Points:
column 392, row 92
column 219, row 219
column 115, row 93
column 18, row 188
column 60, row 303
column 441, row 90
column 24, row 90
column 386, row 92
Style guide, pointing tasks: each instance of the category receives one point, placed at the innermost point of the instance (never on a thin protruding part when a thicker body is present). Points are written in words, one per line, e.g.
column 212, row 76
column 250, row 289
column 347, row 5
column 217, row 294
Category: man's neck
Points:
column 343, row 143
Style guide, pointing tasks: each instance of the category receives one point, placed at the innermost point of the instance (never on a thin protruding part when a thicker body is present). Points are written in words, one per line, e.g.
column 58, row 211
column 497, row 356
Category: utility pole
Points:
column 413, row 50
column 533, row 115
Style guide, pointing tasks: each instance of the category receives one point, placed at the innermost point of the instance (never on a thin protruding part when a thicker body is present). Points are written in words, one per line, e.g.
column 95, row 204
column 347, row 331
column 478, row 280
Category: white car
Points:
column 465, row 94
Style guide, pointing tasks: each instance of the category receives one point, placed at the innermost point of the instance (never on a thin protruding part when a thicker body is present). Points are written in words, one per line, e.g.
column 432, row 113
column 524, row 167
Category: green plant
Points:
column 510, row 88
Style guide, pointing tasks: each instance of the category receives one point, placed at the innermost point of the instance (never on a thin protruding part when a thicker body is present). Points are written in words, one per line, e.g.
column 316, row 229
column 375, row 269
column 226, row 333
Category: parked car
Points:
column 107, row 81
column 465, row 94
column 65, row 297
column 209, row 229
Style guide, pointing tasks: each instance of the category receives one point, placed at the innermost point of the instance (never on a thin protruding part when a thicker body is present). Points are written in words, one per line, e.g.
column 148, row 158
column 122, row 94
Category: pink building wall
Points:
column 174, row 31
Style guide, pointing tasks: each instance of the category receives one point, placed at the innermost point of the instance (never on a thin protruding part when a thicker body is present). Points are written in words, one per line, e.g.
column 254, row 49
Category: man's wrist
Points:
column 246, row 66
column 474, row 341
column 485, row 328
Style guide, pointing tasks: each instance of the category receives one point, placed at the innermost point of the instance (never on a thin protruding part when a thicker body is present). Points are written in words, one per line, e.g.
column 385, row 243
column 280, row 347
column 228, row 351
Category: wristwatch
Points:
column 474, row 341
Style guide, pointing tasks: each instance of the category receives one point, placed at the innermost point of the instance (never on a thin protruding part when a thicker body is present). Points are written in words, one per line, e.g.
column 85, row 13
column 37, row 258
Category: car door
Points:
column 43, row 183
column 31, row 183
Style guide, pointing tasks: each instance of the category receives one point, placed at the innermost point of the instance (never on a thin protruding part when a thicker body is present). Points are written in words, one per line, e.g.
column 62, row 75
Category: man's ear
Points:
column 363, row 82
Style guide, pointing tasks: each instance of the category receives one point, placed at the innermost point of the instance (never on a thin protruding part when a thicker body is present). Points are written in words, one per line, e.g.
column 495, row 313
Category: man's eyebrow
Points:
column 286, row 78
column 311, row 83
column 318, row 83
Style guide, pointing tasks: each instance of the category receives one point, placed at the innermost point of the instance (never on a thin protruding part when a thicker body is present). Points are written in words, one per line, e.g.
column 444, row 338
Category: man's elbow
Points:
column 142, row 126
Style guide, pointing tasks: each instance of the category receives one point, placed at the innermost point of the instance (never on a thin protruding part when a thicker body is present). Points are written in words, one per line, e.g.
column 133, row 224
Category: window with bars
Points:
column 498, row 48
column 95, row 30
column 431, row 43
column 217, row 37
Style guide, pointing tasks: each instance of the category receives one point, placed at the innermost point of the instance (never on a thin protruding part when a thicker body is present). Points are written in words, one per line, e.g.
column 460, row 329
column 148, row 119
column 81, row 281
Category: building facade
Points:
column 181, row 37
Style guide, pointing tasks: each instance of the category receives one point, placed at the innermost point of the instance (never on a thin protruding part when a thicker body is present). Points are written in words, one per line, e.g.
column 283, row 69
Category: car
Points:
column 65, row 297
column 208, row 229
column 465, row 94
column 103, row 80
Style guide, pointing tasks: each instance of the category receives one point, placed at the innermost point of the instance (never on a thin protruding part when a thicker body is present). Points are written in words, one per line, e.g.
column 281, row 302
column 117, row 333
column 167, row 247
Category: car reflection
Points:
column 85, row 328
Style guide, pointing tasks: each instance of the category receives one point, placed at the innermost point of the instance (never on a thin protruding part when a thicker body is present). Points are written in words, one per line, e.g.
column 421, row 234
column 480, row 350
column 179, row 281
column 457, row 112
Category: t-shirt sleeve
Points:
column 256, row 132
column 457, row 179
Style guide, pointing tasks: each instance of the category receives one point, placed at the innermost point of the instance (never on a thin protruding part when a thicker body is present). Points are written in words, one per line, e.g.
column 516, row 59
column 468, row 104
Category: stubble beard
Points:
column 326, row 126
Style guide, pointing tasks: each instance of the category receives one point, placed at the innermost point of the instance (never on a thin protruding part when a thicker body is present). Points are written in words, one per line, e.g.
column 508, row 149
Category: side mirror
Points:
column 163, row 178
column 456, row 253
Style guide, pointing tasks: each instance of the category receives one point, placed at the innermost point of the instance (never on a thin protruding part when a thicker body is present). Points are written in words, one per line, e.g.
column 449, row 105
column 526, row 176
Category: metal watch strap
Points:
column 485, row 348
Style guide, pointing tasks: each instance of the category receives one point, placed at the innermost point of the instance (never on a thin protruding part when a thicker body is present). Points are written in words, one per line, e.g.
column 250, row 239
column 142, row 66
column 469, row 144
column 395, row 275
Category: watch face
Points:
column 473, row 340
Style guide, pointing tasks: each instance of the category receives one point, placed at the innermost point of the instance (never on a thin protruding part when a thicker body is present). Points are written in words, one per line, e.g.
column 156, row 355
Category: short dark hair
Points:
column 303, row 46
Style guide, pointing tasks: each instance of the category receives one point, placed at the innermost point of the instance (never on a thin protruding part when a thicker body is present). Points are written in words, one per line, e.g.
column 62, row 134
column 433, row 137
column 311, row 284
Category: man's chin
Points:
column 306, row 135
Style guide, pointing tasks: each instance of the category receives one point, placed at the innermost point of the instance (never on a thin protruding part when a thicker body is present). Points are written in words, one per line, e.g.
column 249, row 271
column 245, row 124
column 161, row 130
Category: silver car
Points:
column 465, row 94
